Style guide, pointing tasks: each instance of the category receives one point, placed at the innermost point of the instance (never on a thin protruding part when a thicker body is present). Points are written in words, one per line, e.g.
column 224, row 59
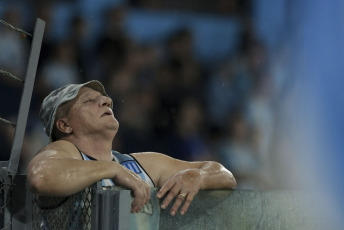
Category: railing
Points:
column 94, row 208
column 98, row 208
column 15, row 201
column 28, row 82
column 215, row 209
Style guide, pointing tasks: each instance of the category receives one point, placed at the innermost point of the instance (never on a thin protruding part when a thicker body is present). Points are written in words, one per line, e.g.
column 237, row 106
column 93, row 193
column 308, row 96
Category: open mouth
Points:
column 107, row 112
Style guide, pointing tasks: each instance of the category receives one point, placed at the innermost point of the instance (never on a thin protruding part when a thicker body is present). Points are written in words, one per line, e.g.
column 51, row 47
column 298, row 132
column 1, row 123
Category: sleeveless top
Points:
column 129, row 162
column 149, row 216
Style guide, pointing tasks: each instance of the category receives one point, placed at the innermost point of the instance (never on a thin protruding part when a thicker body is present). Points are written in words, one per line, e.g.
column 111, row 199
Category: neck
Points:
column 96, row 148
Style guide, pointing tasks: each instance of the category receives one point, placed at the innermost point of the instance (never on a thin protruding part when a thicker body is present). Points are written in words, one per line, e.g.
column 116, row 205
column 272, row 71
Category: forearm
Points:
column 63, row 177
column 215, row 176
column 185, row 184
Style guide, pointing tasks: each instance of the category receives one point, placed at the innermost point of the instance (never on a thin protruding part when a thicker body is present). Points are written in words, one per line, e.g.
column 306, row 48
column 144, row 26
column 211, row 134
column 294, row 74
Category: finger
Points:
column 142, row 193
column 187, row 203
column 148, row 189
column 171, row 194
column 166, row 187
column 145, row 195
column 140, row 196
column 179, row 200
column 136, row 194
column 136, row 204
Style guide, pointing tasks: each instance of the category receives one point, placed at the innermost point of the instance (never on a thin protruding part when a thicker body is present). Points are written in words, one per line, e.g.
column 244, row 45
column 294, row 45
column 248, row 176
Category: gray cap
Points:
column 59, row 96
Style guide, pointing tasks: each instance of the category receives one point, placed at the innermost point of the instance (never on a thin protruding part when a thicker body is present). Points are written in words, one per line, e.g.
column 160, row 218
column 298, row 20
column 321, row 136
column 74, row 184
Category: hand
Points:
column 188, row 183
column 139, row 188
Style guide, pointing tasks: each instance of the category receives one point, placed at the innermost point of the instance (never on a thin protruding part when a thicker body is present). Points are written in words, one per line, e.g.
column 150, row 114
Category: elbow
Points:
column 233, row 182
column 35, row 182
column 226, row 177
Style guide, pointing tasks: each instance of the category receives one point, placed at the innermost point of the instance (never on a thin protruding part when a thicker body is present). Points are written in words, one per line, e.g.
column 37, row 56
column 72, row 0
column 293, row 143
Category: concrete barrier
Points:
column 244, row 209
column 213, row 209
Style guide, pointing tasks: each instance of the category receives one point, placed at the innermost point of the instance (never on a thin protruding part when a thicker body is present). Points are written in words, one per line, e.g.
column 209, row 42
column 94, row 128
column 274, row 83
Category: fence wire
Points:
column 63, row 213
column 8, row 74
column 7, row 122
column 4, row 200
column 22, row 32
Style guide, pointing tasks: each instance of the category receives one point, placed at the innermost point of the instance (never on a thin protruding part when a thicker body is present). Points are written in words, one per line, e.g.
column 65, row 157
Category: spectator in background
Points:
column 61, row 68
column 261, row 119
column 258, row 103
column 237, row 152
column 185, row 67
column 13, row 59
column 228, row 87
column 178, row 76
column 189, row 125
column 13, row 48
column 134, row 83
column 78, row 38
column 44, row 10
column 112, row 44
column 137, row 121
column 168, row 96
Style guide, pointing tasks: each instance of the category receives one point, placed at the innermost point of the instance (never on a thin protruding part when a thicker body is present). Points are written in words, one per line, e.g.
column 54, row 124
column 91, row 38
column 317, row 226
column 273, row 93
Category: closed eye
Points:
column 89, row 100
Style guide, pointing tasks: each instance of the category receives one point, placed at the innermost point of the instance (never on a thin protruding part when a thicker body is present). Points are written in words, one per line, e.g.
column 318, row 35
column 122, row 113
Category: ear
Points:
column 63, row 126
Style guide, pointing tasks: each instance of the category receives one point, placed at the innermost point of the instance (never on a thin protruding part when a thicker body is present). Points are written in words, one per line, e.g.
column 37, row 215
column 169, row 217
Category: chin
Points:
column 113, row 128
column 115, row 125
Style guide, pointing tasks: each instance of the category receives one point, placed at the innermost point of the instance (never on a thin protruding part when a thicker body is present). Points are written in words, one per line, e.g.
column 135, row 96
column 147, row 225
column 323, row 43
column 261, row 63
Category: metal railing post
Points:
column 26, row 96
column 110, row 209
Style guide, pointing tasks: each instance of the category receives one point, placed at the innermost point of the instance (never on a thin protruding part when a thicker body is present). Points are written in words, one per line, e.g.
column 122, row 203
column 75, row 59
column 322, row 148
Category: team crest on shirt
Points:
column 132, row 166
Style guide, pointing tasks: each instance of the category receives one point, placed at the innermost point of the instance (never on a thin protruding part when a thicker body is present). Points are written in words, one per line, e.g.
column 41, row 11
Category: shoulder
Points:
column 153, row 163
column 61, row 148
column 160, row 160
column 152, row 158
column 161, row 167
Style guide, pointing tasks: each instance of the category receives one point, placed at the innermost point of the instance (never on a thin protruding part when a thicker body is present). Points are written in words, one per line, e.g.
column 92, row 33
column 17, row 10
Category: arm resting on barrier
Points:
column 182, row 179
column 58, row 170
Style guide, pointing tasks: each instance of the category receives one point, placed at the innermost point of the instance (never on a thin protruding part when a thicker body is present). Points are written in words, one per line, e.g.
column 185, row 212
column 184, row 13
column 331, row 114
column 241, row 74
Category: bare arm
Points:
column 58, row 170
column 176, row 176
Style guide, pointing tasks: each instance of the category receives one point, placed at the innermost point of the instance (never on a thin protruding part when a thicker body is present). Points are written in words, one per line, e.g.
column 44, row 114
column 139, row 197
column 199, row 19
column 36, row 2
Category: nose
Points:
column 105, row 101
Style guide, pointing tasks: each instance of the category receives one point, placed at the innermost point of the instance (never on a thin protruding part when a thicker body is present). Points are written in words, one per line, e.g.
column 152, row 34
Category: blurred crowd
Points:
column 165, row 98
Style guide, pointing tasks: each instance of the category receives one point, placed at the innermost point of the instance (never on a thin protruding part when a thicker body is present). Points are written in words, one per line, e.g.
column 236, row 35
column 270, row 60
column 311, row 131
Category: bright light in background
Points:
column 315, row 107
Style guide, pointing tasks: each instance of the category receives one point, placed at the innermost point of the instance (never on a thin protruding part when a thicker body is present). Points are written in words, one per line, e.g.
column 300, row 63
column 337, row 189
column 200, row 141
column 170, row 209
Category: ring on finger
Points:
column 182, row 195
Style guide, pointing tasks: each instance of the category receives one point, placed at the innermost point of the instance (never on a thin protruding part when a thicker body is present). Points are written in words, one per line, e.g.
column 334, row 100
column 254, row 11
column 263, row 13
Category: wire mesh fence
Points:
column 63, row 213
column 2, row 204
column 85, row 210
column 4, row 200
column 95, row 207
